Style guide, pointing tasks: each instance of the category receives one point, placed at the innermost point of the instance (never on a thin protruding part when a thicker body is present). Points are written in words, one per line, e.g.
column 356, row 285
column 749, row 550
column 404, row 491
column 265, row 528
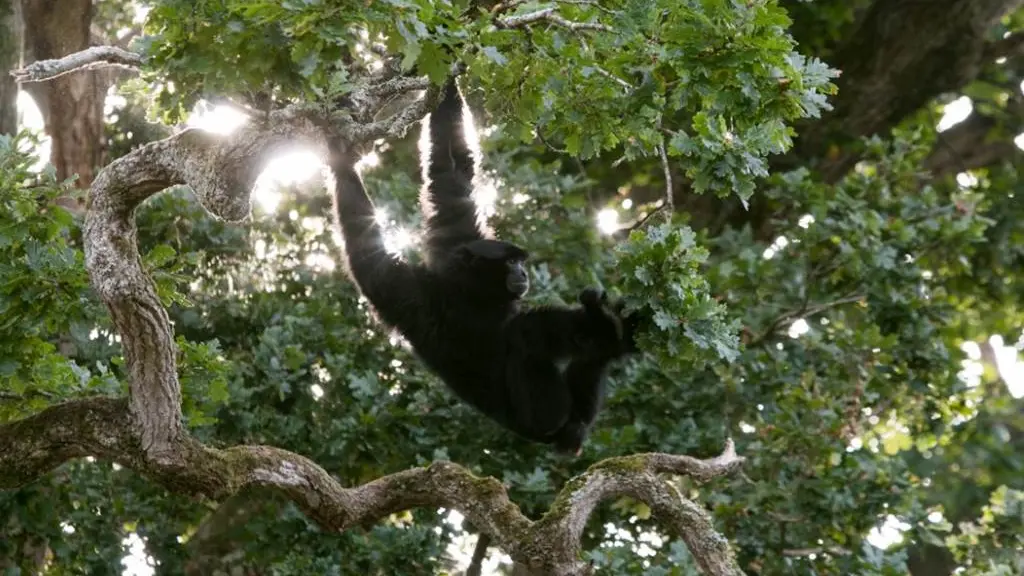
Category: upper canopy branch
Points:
column 549, row 15
column 88, row 59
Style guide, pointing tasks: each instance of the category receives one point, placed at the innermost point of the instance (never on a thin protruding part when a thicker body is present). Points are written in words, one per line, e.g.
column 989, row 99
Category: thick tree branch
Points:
column 976, row 142
column 88, row 59
column 221, row 172
column 637, row 476
column 103, row 428
column 904, row 53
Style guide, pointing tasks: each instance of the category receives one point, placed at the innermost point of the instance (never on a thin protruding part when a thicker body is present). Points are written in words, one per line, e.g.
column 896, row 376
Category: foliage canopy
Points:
column 830, row 348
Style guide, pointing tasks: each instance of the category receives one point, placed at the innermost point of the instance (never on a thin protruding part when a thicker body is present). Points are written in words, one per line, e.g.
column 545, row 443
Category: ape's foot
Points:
column 569, row 440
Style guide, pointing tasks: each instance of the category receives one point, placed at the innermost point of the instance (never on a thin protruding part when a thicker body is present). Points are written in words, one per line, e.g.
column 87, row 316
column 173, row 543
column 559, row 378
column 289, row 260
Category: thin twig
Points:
column 591, row 3
column 14, row 397
column 801, row 552
column 611, row 76
column 669, row 200
column 502, row 7
column 545, row 142
column 804, row 311
column 547, row 15
column 641, row 222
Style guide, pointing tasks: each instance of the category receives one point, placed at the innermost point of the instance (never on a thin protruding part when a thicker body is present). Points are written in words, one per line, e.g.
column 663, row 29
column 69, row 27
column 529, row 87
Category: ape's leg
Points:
column 540, row 403
column 585, row 380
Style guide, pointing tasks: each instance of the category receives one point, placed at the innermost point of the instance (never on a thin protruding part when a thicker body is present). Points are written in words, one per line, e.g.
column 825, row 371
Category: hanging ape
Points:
column 539, row 371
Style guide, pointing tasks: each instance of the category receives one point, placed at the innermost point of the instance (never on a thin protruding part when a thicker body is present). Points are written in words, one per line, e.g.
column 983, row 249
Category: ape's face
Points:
column 517, row 280
column 494, row 267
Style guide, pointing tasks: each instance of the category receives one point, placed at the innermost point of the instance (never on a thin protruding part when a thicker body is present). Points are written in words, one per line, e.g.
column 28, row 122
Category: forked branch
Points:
column 103, row 428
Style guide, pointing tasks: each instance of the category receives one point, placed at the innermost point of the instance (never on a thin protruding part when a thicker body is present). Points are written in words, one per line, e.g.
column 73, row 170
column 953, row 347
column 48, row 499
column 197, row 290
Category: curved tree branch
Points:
column 145, row 432
column 637, row 476
column 103, row 428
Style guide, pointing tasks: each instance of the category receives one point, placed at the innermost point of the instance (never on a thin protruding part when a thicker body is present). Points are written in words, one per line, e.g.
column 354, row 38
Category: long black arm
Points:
column 391, row 286
column 447, row 199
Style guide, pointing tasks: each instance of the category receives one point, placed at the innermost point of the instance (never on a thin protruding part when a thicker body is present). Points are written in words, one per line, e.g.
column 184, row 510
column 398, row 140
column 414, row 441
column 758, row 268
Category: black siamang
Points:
column 538, row 372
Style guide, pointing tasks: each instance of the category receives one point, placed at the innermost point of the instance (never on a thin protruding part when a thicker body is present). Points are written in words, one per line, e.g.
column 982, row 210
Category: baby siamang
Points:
column 538, row 372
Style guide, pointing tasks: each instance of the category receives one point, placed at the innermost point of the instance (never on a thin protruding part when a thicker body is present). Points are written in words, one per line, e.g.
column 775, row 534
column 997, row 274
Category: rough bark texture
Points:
column 11, row 37
column 104, row 428
column 904, row 53
column 144, row 432
column 901, row 55
column 216, row 171
column 72, row 106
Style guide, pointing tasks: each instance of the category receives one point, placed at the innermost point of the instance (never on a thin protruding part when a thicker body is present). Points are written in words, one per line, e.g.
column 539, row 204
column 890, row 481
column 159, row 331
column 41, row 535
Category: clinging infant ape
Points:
column 539, row 372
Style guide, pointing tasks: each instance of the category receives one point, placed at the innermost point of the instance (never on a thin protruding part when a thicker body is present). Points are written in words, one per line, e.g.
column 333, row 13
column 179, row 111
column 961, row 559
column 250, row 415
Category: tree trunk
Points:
column 213, row 549
column 20, row 549
column 72, row 105
column 11, row 38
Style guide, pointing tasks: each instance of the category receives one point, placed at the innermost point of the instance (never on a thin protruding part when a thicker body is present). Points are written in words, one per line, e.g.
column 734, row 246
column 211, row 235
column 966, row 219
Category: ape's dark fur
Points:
column 538, row 372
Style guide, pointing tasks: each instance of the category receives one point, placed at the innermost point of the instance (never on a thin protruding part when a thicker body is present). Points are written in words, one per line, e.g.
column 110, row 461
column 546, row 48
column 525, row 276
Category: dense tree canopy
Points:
column 834, row 264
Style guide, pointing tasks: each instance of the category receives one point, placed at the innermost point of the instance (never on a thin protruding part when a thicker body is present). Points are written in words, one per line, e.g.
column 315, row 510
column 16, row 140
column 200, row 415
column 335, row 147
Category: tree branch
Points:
column 479, row 555
column 221, row 172
column 88, row 59
column 669, row 198
column 805, row 311
column 801, row 552
column 549, row 15
column 637, row 476
column 103, row 428
column 100, row 427
column 903, row 54
column 974, row 143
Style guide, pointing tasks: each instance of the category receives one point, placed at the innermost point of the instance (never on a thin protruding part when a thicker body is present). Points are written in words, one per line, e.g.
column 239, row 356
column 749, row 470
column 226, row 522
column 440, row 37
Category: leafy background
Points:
column 836, row 350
